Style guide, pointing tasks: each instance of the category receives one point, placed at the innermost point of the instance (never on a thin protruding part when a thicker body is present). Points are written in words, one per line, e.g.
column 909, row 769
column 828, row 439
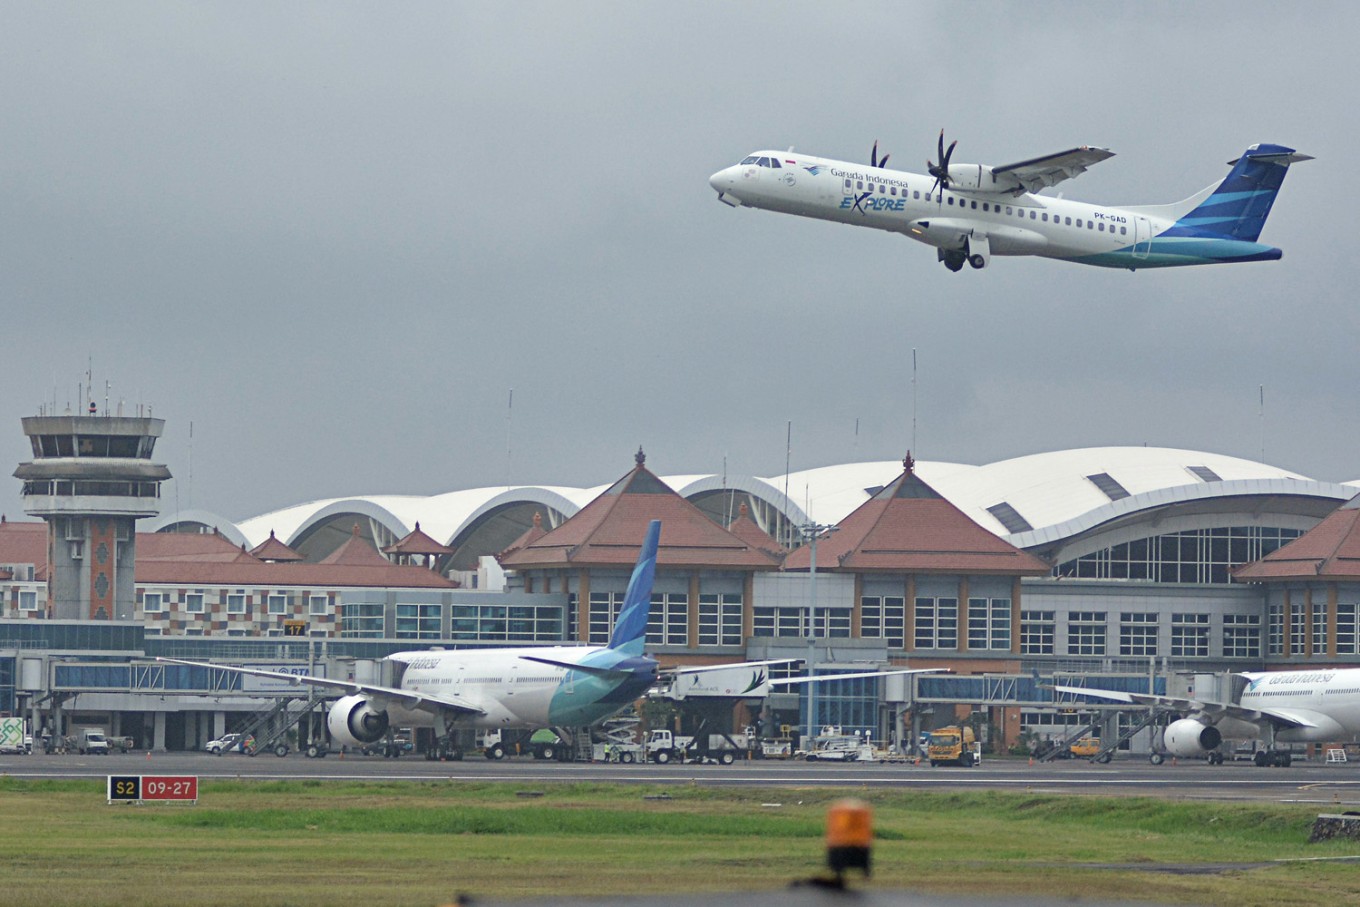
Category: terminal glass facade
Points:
column 1194, row 556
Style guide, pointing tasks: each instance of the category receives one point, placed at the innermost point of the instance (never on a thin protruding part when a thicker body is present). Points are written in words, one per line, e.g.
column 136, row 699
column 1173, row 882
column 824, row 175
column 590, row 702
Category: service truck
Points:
column 92, row 741
column 662, row 746
column 953, row 745
column 14, row 737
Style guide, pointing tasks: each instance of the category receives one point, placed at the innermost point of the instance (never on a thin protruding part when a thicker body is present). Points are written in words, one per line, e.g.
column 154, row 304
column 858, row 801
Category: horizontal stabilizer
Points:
column 1293, row 157
column 606, row 673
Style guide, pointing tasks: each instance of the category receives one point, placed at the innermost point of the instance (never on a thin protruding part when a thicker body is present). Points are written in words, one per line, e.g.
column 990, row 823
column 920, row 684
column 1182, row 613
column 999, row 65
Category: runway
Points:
column 1335, row 785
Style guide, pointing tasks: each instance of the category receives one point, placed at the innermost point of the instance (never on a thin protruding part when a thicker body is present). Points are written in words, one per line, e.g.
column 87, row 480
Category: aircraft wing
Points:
column 1040, row 172
column 821, row 678
column 407, row 699
column 703, row 669
column 1278, row 717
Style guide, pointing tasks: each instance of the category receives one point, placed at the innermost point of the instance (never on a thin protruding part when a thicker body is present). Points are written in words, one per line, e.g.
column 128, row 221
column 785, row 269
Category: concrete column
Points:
column 857, row 611
column 158, row 732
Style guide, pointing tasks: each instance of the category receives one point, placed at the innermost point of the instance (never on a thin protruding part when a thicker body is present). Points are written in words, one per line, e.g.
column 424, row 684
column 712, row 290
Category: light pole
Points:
column 810, row 532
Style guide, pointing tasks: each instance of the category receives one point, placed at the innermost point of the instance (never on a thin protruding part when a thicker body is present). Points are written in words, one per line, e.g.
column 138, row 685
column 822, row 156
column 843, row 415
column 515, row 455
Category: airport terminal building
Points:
column 1153, row 568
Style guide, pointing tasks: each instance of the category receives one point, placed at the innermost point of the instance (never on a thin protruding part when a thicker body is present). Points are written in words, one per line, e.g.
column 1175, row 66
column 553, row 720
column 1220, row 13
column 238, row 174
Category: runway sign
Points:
column 153, row 788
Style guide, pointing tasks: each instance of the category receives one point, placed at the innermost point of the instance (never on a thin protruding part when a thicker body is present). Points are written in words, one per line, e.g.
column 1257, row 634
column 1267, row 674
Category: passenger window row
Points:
column 987, row 206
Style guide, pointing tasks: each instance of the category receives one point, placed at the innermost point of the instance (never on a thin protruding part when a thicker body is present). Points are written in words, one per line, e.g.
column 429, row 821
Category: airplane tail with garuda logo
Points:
column 1223, row 222
column 630, row 630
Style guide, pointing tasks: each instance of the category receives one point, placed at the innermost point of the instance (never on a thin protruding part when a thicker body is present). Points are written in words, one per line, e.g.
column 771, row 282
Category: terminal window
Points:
column 884, row 617
column 719, row 619
column 1346, row 628
column 1086, row 633
column 1241, row 636
column 668, row 620
column 1037, row 632
column 937, row 623
column 1138, row 633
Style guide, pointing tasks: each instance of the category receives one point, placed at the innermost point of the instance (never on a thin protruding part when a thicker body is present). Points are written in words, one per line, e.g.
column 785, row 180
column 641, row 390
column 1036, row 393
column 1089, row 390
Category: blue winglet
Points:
column 630, row 630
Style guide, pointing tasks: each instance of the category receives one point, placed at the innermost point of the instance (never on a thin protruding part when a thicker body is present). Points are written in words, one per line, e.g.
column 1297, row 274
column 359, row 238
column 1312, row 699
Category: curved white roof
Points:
column 1057, row 494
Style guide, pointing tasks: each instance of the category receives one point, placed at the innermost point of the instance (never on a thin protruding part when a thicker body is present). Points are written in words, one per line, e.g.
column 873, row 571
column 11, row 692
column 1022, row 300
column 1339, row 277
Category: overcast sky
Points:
column 333, row 237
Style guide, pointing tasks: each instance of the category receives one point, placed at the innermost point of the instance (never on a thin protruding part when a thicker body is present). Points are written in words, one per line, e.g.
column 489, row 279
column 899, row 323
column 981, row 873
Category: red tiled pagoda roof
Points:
column 1330, row 550
column 908, row 527
column 609, row 532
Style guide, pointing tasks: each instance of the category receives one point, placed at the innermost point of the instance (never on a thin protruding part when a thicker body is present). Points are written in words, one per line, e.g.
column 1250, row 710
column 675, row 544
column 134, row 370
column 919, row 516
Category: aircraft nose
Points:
column 721, row 180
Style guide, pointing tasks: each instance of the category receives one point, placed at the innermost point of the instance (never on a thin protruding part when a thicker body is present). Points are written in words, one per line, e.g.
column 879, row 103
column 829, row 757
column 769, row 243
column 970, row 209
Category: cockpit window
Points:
column 774, row 162
column 750, row 160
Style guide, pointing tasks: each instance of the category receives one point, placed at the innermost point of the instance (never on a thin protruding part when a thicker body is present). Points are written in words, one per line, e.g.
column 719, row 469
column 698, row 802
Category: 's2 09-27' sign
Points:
column 170, row 788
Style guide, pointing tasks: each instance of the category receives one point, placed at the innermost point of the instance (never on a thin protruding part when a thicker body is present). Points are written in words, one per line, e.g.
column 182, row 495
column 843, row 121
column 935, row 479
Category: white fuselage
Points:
column 512, row 691
column 1329, row 699
column 902, row 202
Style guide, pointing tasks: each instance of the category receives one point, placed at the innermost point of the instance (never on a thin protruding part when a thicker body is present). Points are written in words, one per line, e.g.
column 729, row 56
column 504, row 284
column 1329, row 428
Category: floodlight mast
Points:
column 810, row 532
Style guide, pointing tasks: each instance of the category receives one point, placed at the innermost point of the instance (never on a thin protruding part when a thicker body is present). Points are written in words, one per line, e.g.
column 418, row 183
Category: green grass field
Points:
column 322, row 843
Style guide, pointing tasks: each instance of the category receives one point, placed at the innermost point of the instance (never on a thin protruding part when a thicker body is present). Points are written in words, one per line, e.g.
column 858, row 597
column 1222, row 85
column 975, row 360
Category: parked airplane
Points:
column 505, row 688
column 1279, row 706
column 970, row 212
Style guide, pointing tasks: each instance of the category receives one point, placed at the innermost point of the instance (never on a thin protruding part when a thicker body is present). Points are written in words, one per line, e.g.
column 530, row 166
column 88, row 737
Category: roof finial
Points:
column 640, row 456
column 908, row 463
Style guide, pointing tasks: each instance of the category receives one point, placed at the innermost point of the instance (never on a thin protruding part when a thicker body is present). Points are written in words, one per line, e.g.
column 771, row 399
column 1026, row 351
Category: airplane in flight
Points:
column 517, row 688
column 1315, row 706
column 970, row 212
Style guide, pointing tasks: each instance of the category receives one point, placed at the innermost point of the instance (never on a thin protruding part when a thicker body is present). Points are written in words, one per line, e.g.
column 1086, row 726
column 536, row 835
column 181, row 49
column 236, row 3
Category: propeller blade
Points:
column 884, row 162
column 873, row 155
column 943, row 160
column 948, row 154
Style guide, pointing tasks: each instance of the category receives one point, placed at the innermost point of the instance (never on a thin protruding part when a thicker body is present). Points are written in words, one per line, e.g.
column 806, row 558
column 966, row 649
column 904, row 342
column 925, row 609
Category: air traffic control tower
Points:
column 91, row 478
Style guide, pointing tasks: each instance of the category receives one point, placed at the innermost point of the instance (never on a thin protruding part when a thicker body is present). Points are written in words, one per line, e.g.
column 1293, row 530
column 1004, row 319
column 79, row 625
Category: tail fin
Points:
column 630, row 630
column 1238, row 206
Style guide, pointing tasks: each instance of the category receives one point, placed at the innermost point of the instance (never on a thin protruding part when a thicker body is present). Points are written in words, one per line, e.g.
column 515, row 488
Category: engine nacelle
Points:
column 353, row 721
column 1188, row 737
column 980, row 178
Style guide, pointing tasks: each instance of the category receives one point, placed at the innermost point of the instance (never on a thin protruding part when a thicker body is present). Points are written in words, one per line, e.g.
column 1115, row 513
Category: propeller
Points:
column 873, row 157
column 941, row 173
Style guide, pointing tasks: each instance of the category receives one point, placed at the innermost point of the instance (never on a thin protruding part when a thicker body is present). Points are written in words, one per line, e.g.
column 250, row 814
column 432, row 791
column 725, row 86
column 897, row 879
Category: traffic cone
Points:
column 148, row 754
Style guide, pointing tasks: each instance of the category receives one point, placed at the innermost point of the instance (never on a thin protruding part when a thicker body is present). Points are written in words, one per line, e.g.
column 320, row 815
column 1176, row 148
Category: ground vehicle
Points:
column 93, row 742
column 14, row 737
column 953, row 745
column 227, row 743
column 545, row 744
column 831, row 745
column 1085, row 748
column 390, row 747
column 662, row 746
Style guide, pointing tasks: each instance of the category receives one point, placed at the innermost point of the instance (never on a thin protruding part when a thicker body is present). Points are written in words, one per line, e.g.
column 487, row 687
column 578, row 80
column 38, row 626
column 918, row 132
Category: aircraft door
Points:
column 1142, row 237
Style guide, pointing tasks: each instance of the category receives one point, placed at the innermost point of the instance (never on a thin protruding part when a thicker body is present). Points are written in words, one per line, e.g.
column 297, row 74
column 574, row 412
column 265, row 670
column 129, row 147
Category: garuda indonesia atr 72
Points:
column 516, row 688
column 970, row 212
